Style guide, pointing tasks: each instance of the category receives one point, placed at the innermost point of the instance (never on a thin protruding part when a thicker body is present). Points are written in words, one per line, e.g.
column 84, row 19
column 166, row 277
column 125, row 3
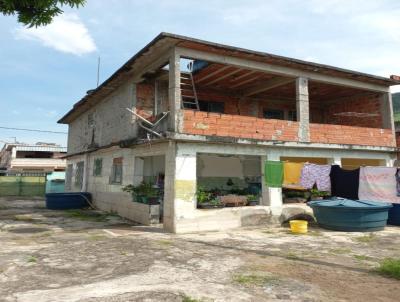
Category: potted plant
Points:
column 318, row 195
column 143, row 193
column 252, row 200
column 206, row 200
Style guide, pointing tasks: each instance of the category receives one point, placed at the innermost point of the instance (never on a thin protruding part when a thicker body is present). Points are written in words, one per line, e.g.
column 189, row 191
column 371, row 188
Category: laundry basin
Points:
column 350, row 215
column 70, row 200
column 394, row 214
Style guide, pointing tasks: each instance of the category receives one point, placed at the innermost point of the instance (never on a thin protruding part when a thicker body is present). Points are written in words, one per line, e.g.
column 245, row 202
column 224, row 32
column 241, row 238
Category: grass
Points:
column 97, row 237
column 189, row 299
column 164, row 242
column 292, row 256
column 362, row 257
column 366, row 238
column 86, row 215
column 340, row 251
column 390, row 267
column 254, row 280
column 32, row 259
column 23, row 218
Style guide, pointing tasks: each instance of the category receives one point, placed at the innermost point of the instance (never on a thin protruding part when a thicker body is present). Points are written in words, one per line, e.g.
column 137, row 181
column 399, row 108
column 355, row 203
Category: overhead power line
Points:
column 33, row 130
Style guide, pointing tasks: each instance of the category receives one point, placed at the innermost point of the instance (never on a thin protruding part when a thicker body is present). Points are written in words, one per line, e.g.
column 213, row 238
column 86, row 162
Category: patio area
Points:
column 93, row 256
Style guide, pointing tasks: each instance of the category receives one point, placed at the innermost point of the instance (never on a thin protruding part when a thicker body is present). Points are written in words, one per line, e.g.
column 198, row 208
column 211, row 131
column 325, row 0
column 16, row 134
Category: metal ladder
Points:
column 188, row 90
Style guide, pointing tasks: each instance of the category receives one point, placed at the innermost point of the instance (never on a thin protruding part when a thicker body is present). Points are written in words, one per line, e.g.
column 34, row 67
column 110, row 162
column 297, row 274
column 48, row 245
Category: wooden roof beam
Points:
column 273, row 83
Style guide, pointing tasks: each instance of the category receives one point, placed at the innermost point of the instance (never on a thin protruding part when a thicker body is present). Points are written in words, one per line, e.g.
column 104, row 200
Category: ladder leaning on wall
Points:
column 188, row 90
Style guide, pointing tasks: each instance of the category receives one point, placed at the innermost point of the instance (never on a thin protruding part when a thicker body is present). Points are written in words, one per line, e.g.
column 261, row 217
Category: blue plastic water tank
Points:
column 70, row 200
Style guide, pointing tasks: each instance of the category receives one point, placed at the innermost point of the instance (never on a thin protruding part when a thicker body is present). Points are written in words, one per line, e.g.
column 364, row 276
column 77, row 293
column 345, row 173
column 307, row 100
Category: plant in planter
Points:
column 144, row 193
column 206, row 200
column 318, row 195
column 252, row 200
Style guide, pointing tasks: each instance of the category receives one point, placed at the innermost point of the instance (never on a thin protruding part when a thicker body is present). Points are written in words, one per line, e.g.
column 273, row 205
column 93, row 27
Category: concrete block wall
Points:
column 110, row 197
column 204, row 123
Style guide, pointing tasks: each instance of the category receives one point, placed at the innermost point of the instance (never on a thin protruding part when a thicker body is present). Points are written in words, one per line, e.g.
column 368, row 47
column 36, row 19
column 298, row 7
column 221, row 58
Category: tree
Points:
column 36, row 12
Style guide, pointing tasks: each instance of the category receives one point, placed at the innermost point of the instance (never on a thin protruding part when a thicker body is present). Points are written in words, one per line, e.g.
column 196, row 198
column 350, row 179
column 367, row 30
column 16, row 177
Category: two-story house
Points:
column 32, row 158
column 206, row 114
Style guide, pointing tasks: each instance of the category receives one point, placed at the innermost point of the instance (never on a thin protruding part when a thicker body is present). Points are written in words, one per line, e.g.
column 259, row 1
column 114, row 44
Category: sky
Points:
column 45, row 70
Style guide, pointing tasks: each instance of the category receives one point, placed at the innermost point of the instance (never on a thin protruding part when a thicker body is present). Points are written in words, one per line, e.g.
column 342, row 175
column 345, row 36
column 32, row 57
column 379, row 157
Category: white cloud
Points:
column 66, row 33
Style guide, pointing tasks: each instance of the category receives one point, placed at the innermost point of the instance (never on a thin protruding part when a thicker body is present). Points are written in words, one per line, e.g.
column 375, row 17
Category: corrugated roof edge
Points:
column 126, row 66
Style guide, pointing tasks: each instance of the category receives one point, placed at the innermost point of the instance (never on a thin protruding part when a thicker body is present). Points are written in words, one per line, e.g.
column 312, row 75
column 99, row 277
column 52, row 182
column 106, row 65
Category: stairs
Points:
column 188, row 91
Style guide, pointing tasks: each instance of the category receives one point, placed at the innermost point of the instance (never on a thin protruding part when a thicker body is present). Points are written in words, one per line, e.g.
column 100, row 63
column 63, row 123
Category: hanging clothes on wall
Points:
column 378, row 184
column 316, row 174
column 398, row 182
column 291, row 175
column 345, row 183
column 273, row 173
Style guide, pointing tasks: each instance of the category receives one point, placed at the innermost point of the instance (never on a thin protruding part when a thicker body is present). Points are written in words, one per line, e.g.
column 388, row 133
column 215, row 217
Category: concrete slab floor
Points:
column 90, row 256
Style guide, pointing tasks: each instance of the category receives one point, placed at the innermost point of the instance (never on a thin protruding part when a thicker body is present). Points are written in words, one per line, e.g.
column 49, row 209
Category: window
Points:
column 68, row 178
column 292, row 115
column 79, row 174
column 274, row 114
column 98, row 166
column 116, row 171
column 217, row 107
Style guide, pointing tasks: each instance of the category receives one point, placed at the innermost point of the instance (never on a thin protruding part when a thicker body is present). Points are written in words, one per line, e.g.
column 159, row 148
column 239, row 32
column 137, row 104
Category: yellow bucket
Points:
column 298, row 226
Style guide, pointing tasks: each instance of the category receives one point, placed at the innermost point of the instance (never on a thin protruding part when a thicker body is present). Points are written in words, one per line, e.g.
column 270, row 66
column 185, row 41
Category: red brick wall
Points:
column 339, row 134
column 361, row 104
column 203, row 123
column 145, row 98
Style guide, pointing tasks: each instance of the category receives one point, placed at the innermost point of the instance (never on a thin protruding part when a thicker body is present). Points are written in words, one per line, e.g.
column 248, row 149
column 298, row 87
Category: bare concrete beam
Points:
column 278, row 70
column 273, row 83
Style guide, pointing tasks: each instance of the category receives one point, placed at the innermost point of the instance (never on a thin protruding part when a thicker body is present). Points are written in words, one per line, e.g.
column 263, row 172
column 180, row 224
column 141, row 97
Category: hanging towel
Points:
column 378, row 184
column 291, row 175
column 273, row 173
column 345, row 183
column 316, row 174
column 398, row 182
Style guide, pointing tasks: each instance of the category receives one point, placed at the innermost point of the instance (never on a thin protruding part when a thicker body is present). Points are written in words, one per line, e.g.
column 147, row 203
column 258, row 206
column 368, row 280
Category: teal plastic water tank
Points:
column 350, row 215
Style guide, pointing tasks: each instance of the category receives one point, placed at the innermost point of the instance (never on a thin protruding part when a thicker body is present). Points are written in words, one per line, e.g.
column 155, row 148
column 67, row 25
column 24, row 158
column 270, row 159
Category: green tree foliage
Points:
column 36, row 12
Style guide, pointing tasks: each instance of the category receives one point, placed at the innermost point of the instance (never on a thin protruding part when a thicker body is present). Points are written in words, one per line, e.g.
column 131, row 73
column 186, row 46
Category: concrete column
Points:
column 386, row 109
column 303, row 109
column 174, row 91
column 271, row 197
column 180, row 187
column 13, row 152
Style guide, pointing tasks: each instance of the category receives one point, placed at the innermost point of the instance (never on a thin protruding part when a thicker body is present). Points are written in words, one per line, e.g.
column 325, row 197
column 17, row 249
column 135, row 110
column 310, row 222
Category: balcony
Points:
column 247, row 127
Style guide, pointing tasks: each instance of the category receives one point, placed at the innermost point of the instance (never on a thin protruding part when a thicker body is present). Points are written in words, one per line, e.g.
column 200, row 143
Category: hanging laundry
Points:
column 273, row 173
column 316, row 174
column 378, row 184
column 291, row 175
column 345, row 183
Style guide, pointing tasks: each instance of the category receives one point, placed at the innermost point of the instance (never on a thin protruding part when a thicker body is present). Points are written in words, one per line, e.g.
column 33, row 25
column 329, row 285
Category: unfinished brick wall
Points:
column 145, row 98
column 339, row 134
column 203, row 123
column 362, row 104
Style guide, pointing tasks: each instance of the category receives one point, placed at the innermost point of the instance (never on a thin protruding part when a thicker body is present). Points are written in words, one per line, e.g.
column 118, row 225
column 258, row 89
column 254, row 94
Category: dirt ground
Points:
column 90, row 256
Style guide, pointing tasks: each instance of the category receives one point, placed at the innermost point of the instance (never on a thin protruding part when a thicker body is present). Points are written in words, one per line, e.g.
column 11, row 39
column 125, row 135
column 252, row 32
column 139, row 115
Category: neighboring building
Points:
column 38, row 158
column 242, row 108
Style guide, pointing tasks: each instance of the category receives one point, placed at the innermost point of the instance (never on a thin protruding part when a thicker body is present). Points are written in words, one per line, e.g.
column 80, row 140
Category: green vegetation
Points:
column 189, row 299
column 32, row 259
column 390, row 267
column 164, row 242
column 340, row 251
column 292, row 256
column 86, row 215
column 23, row 218
column 362, row 257
column 255, row 280
column 36, row 12
column 366, row 238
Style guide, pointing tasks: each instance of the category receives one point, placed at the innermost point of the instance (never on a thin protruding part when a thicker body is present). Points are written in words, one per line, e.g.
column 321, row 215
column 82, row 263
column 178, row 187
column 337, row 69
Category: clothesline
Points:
column 376, row 183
